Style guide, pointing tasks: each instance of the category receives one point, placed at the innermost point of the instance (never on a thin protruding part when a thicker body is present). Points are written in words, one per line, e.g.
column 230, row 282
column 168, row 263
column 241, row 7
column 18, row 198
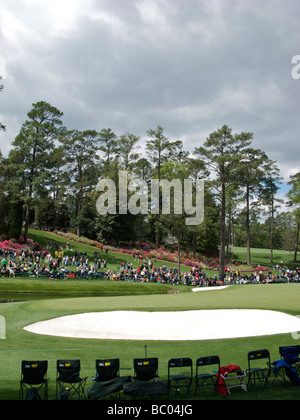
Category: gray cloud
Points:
column 187, row 65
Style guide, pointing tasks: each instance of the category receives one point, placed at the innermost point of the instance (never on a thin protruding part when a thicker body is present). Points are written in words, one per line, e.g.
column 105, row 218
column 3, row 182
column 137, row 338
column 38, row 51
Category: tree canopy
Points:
column 50, row 178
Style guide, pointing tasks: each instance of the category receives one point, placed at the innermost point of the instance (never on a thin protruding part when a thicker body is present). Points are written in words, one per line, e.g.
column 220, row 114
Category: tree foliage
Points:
column 31, row 150
column 50, row 176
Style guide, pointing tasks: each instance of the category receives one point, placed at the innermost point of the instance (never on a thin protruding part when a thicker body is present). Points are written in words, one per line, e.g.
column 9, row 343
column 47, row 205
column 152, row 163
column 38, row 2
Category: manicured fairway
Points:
column 263, row 256
column 20, row 344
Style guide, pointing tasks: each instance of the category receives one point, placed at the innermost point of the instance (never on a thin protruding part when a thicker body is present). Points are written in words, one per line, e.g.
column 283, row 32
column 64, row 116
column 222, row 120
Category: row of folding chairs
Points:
column 146, row 381
column 34, row 380
column 108, row 381
column 261, row 369
column 285, row 370
column 209, row 372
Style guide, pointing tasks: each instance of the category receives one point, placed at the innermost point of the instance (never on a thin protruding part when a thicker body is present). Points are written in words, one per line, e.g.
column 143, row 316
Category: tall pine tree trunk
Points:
column 178, row 265
column 222, row 234
column 296, row 242
column 194, row 244
column 272, row 230
column 248, row 226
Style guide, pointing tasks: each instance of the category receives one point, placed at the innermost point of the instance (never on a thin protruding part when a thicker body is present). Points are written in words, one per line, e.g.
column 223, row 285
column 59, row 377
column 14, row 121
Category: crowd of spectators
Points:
column 63, row 265
column 279, row 274
column 43, row 264
column 147, row 272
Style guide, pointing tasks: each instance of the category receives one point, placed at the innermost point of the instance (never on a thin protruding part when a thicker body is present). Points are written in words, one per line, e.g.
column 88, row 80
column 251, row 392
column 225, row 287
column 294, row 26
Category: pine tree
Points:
column 294, row 196
column 222, row 153
column 30, row 151
column 80, row 148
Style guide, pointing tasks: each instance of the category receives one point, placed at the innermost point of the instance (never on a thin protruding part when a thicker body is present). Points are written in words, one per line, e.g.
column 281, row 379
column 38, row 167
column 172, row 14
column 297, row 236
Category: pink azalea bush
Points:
column 149, row 251
column 17, row 247
column 7, row 245
column 260, row 268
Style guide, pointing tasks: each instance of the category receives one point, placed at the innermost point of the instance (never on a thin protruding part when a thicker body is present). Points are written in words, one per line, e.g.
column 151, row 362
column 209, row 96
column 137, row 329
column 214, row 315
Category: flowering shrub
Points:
column 259, row 268
column 8, row 245
column 21, row 239
column 148, row 251
column 72, row 237
column 189, row 263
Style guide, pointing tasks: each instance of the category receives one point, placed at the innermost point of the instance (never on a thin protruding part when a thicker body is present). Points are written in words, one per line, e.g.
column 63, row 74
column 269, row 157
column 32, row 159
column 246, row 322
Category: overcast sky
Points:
column 130, row 65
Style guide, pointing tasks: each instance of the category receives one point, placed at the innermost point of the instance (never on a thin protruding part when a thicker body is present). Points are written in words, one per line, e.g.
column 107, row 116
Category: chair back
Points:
column 180, row 362
column 145, row 369
column 34, row 371
column 107, row 369
column 257, row 355
column 68, row 370
column 208, row 360
column 181, row 366
column 290, row 354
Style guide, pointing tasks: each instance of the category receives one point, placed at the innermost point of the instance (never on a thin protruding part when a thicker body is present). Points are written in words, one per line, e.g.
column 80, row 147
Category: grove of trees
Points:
column 50, row 175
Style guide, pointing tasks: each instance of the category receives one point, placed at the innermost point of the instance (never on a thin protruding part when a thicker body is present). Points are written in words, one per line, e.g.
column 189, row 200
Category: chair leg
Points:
column 280, row 376
column 21, row 392
column 73, row 390
column 259, row 376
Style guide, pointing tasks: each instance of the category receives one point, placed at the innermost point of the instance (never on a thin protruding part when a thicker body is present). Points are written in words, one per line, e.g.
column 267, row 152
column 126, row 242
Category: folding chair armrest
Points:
column 241, row 372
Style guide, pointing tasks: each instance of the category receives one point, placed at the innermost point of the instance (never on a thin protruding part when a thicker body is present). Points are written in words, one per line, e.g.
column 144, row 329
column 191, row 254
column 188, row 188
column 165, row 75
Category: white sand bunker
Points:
column 181, row 325
column 208, row 289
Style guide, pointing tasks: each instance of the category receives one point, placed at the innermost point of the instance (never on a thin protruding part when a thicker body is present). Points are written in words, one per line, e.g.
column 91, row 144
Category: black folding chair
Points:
column 146, row 380
column 180, row 374
column 69, row 384
column 107, row 369
column 34, row 380
column 107, row 380
column 202, row 378
column 145, row 369
column 259, row 367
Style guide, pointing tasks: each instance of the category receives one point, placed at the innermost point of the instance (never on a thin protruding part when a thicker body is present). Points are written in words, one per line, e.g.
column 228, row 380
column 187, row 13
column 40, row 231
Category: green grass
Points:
column 263, row 256
column 79, row 296
column 114, row 259
column 259, row 256
column 65, row 287
column 20, row 345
